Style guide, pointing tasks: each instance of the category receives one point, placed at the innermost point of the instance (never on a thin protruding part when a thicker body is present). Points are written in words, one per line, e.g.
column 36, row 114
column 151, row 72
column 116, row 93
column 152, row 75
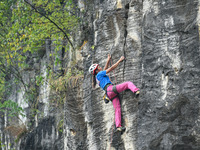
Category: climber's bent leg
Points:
column 117, row 107
column 126, row 85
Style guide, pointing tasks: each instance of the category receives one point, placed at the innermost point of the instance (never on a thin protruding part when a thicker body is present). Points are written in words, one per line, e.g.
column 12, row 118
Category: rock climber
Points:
column 100, row 76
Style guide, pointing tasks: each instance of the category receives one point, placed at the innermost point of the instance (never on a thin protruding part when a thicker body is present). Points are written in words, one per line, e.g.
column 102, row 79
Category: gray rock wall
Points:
column 160, row 41
column 169, row 104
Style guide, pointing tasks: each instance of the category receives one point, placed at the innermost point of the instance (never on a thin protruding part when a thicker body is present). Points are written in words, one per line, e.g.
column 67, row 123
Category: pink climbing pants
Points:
column 116, row 103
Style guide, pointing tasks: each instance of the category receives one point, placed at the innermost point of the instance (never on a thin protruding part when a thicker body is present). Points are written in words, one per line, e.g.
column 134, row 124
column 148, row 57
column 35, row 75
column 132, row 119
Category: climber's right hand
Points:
column 122, row 58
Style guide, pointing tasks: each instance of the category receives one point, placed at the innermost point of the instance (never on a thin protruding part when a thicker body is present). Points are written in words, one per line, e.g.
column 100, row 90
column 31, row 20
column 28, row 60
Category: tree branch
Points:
column 51, row 22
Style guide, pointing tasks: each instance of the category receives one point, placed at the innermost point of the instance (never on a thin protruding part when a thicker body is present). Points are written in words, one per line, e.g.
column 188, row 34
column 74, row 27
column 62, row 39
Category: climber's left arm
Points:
column 107, row 63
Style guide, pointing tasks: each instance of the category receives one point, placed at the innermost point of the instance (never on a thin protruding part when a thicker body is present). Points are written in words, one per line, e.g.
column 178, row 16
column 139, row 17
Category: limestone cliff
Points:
column 160, row 41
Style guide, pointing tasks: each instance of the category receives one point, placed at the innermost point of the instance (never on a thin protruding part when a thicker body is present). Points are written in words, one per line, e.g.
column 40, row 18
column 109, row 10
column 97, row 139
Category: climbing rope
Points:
column 114, row 113
column 111, row 63
column 112, row 132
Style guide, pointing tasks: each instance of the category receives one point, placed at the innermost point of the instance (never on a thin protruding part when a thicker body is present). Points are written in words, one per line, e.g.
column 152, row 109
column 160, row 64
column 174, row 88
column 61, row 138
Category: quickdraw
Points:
column 106, row 99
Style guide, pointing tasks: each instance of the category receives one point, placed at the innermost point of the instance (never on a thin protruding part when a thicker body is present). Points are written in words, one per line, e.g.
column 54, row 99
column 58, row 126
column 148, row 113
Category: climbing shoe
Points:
column 137, row 93
column 121, row 129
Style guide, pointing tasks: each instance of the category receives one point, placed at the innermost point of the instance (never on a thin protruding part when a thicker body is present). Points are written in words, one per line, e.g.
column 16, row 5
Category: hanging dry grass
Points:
column 63, row 82
column 17, row 130
column 72, row 81
column 61, row 85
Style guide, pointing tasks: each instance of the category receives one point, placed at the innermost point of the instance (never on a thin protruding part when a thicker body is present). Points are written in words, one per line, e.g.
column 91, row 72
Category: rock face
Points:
column 160, row 41
column 169, row 105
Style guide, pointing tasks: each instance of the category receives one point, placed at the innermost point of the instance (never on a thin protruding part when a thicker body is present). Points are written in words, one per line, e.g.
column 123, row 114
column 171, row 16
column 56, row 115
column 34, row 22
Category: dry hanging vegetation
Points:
column 17, row 130
column 60, row 86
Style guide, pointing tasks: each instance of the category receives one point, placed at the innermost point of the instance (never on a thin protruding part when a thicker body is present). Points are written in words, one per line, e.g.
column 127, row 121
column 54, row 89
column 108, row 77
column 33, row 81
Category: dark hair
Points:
column 94, row 80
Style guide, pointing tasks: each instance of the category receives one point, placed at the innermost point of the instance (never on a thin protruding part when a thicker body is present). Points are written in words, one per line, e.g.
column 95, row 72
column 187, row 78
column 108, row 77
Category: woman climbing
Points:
column 100, row 76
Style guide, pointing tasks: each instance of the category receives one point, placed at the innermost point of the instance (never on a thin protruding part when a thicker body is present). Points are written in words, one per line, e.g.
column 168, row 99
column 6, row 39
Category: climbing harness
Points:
column 114, row 89
column 105, row 97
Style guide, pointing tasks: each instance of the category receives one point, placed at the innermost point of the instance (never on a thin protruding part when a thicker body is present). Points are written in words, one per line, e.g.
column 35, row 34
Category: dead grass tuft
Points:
column 17, row 130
